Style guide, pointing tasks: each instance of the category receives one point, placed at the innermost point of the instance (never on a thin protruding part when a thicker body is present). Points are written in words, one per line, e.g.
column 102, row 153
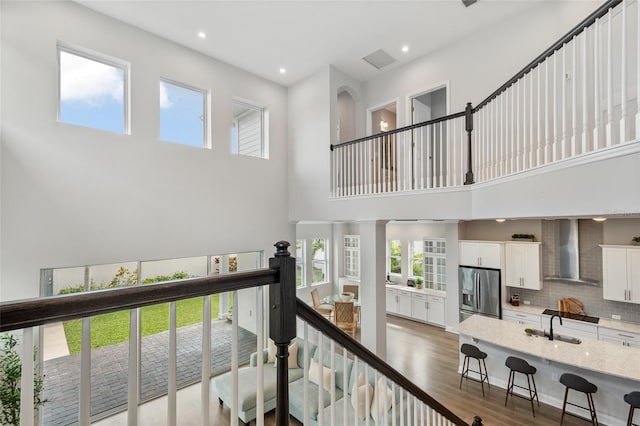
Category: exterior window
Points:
column 417, row 261
column 93, row 91
column 300, row 269
column 352, row 256
column 248, row 130
column 319, row 260
column 395, row 257
column 183, row 114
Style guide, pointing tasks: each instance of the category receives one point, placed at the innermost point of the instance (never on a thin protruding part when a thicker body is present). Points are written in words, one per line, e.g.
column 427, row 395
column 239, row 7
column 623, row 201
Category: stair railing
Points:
column 576, row 98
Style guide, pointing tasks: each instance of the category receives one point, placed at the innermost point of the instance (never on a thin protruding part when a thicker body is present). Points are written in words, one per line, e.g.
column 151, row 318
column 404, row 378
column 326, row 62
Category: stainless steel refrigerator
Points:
column 479, row 292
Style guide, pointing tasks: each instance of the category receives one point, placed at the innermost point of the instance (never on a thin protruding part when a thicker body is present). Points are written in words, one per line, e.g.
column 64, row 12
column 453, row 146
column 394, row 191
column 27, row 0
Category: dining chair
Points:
column 324, row 309
column 345, row 317
column 352, row 288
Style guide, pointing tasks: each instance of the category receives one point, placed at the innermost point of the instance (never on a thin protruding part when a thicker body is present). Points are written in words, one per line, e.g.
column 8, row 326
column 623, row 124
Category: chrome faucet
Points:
column 551, row 325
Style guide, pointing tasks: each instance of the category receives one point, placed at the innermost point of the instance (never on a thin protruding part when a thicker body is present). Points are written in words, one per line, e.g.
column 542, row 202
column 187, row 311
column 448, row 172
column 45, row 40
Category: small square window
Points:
column 248, row 130
column 183, row 114
column 92, row 91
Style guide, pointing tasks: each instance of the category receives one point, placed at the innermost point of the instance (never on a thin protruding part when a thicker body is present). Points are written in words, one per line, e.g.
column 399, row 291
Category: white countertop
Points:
column 427, row 291
column 594, row 355
column 604, row 322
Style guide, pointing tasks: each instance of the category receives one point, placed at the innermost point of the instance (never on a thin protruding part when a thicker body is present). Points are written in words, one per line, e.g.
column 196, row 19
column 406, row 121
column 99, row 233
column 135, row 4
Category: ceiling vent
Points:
column 379, row 59
column 468, row 3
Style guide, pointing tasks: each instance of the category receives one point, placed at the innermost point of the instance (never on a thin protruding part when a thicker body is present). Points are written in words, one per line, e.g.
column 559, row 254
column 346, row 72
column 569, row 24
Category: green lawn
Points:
column 112, row 328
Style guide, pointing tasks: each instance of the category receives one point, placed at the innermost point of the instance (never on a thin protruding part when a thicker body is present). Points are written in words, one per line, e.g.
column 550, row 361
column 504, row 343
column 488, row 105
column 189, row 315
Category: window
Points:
column 183, row 114
column 435, row 263
column 417, row 261
column 248, row 130
column 395, row 257
column 93, row 91
column 319, row 260
column 300, row 269
column 352, row 256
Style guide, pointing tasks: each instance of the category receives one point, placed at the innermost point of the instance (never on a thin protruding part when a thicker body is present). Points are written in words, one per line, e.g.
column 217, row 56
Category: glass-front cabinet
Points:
column 435, row 263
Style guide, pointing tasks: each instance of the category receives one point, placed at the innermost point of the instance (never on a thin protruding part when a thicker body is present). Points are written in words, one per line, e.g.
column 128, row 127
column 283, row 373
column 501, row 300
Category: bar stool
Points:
column 571, row 381
column 519, row 365
column 633, row 399
column 471, row 351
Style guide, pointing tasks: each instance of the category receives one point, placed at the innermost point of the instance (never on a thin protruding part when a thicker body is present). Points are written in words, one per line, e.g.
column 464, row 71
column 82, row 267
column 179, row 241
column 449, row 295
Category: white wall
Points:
column 77, row 196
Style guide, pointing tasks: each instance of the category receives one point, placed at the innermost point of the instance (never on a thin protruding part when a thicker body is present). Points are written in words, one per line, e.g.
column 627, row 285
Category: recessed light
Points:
column 283, row 70
column 405, row 49
column 202, row 34
column 599, row 219
column 500, row 220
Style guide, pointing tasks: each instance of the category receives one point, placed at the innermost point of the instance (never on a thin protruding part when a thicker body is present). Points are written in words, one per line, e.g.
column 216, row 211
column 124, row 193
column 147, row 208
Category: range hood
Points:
column 567, row 252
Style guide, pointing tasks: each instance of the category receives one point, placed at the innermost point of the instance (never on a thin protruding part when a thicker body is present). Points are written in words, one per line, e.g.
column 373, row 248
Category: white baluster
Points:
column 260, row 350
column 540, row 135
column 333, row 383
column 345, row 401
column 574, row 93
column 596, row 85
column 428, row 156
column 440, row 155
column 609, row 128
column 530, row 150
column 27, row 408
column 321, row 378
column 547, row 119
column 205, row 374
column 234, row 359
column 637, row 71
column 305, row 377
column 447, row 145
column 585, row 94
column 172, row 367
column 518, row 128
column 563, row 145
column 555, row 108
column 511, row 137
column 623, row 76
column 367, row 395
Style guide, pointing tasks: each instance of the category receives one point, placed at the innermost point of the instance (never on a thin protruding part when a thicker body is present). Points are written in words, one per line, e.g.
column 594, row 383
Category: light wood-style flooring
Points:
column 427, row 355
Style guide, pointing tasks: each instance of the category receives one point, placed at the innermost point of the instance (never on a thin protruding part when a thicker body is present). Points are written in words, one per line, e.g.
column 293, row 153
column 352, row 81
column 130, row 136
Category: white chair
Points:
column 324, row 309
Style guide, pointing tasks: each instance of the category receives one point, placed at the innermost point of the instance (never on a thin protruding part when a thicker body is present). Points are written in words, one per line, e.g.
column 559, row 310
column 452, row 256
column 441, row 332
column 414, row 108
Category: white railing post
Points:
column 609, row 125
column 596, row 85
column 623, row 75
column 27, row 408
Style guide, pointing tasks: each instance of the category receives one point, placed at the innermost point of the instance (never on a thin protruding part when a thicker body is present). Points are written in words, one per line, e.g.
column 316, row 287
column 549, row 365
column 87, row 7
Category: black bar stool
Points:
column 633, row 399
column 571, row 381
column 519, row 365
column 471, row 351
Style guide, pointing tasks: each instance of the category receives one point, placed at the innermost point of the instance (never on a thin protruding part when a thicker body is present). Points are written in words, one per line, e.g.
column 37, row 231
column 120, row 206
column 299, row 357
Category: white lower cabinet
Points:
column 624, row 338
column 417, row 305
column 571, row 328
column 530, row 320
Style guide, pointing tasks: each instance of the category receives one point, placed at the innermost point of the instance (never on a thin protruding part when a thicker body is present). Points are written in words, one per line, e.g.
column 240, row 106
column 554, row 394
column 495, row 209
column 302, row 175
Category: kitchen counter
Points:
column 428, row 291
column 604, row 322
column 612, row 368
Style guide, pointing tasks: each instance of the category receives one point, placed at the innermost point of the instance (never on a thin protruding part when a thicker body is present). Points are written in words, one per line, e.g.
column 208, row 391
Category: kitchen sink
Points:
column 561, row 338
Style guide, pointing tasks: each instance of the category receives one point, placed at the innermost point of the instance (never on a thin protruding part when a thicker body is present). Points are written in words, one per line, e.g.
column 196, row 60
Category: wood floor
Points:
column 427, row 355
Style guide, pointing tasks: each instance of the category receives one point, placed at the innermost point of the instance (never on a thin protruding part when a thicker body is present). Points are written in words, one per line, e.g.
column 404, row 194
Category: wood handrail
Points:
column 44, row 310
column 589, row 20
column 317, row 321
column 399, row 130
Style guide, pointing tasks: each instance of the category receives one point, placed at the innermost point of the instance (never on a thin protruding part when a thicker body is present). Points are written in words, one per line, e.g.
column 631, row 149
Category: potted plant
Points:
column 10, row 376
column 635, row 241
column 529, row 331
column 419, row 282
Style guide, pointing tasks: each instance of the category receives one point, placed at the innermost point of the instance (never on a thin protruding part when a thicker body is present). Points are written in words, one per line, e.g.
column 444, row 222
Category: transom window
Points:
column 183, row 114
column 248, row 130
column 93, row 90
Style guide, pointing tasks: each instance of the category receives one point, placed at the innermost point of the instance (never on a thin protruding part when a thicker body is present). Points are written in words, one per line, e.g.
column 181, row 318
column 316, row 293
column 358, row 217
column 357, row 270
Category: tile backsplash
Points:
column 590, row 237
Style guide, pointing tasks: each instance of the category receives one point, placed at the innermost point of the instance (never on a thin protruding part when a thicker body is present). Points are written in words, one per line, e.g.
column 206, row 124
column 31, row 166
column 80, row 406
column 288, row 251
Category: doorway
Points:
column 429, row 143
column 385, row 150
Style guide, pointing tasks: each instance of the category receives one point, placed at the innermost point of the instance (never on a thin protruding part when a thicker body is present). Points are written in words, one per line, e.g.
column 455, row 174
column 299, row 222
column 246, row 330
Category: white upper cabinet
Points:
column 485, row 254
column 621, row 273
column 522, row 265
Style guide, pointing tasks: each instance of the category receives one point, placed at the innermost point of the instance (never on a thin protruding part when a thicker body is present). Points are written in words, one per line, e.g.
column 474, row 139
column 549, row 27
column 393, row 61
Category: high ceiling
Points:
column 302, row 36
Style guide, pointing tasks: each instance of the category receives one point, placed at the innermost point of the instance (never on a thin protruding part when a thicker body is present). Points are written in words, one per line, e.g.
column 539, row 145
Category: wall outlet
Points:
column 615, row 316
column 527, row 302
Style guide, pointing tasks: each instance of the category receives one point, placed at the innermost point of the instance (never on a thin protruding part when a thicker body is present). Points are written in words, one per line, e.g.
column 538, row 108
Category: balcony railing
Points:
column 407, row 404
column 580, row 96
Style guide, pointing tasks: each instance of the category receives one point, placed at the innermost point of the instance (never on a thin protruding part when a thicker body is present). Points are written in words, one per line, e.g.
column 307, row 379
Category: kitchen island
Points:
column 614, row 369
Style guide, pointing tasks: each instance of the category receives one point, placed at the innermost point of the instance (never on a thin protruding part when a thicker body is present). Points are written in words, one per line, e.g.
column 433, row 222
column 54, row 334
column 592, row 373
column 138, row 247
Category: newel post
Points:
column 282, row 323
column 468, row 178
